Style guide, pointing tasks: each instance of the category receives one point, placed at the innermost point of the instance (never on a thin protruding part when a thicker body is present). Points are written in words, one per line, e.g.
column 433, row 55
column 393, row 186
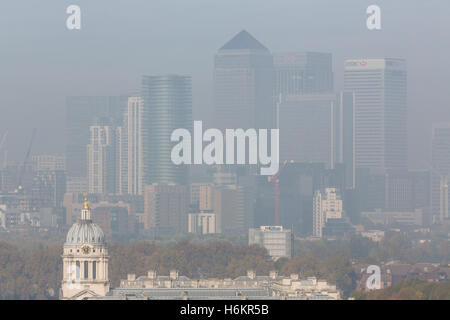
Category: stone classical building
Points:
column 85, row 277
column 248, row 287
column 85, row 260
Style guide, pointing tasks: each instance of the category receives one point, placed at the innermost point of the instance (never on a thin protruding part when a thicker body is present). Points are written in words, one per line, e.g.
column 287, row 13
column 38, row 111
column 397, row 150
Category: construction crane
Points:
column 27, row 155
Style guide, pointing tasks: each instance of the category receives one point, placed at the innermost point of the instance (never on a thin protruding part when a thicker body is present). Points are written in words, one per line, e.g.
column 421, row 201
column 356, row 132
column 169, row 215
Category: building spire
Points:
column 85, row 205
column 85, row 211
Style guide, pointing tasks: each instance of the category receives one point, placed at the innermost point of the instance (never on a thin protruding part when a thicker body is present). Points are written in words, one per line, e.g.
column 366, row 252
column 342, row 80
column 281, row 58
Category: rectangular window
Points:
column 94, row 270
column 77, row 267
column 86, row 269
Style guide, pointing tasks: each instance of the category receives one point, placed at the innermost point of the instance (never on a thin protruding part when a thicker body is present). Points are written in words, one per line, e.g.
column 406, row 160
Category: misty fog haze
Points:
column 41, row 62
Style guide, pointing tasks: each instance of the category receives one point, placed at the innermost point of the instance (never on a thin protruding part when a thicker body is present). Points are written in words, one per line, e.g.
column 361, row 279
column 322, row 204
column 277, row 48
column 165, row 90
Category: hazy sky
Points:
column 41, row 61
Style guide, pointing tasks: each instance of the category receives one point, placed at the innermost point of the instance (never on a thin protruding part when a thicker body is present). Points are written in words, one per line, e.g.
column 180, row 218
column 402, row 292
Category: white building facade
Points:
column 102, row 160
column 132, row 169
column 277, row 240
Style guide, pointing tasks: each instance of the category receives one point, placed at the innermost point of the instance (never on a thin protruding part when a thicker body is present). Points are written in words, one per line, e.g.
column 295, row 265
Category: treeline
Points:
column 36, row 273
column 32, row 269
column 211, row 259
column 223, row 260
column 395, row 246
column 410, row 289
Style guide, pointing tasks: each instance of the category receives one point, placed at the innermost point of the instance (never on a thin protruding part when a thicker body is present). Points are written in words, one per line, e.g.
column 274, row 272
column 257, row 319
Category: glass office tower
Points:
column 168, row 106
column 380, row 111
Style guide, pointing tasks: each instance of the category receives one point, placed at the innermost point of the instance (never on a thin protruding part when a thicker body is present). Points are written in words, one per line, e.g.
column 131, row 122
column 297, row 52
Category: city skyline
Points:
column 226, row 150
column 376, row 44
column 358, row 135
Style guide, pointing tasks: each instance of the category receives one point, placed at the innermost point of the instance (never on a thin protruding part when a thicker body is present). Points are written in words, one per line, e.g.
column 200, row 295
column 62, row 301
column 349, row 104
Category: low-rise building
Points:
column 409, row 218
column 277, row 240
column 248, row 287
column 202, row 223
column 374, row 235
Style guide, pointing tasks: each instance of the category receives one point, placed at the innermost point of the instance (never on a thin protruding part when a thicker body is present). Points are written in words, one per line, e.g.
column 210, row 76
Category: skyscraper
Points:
column 440, row 171
column 303, row 73
column 327, row 205
column 168, row 106
column 379, row 86
column 134, row 146
column 81, row 113
column 165, row 208
column 318, row 128
column 102, row 159
column 307, row 132
column 243, row 84
column 49, row 162
column 345, row 136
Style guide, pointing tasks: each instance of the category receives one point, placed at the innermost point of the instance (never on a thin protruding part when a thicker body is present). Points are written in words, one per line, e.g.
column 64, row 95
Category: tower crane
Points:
column 27, row 155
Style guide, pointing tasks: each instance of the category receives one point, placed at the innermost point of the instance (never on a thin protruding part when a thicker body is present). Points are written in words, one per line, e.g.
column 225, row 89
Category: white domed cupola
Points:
column 85, row 259
column 84, row 231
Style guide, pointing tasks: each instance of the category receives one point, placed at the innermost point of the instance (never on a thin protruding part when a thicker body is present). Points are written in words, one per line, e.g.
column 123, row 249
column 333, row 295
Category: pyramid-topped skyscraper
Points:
column 243, row 40
column 243, row 84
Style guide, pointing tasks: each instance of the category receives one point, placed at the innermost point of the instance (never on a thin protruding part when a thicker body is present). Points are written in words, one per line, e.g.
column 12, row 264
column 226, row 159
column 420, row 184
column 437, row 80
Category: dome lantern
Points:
column 84, row 231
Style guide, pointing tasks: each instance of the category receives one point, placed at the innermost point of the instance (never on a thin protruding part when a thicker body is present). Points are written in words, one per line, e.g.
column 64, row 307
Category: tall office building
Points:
column 81, row 113
column 327, row 204
column 168, row 106
column 48, row 189
column 49, row 162
column 345, row 136
column 307, row 133
column 440, row 171
column 318, row 128
column 297, row 185
column 134, row 147
column 165, row 208
column 380, row 111
column 102, row 159
column 243, row 84
column 303, row 73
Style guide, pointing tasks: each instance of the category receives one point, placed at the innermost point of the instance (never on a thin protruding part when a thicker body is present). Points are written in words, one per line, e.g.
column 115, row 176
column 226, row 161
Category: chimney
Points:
column 151, row 274
column 251, row 274
column 173, row 274
column 273, row 274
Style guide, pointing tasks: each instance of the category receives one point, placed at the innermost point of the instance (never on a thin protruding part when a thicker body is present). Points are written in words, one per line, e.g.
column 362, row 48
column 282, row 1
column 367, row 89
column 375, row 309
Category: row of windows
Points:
column 93, row 250
column 86, row 270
